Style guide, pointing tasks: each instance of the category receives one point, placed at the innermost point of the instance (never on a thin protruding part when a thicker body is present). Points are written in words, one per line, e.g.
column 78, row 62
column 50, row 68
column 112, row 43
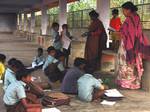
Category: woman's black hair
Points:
column 130, row 6
column 22, row 73
column 115, row 11
column 2, row 58
column 79, row 61
column 55, row 24
column 49, row 49
column 64, row 26
column 93, row 13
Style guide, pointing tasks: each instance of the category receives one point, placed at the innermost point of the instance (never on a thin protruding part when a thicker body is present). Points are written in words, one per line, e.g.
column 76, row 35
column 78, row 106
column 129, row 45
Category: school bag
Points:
column 55, row 99
column 35, row 89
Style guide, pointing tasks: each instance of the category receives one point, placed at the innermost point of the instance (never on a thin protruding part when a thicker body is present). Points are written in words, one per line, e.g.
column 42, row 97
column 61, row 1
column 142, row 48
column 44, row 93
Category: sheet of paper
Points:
column 51, row 110
column 41, row 63
column 1, row 81
column 66, row 42
column 34, row 64
column 110, row 103
column 47, row 90
column 113, row 93
column 29, row 67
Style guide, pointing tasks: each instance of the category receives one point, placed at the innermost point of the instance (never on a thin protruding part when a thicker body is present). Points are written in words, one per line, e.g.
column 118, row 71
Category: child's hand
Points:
column 106, row 87
column 102, row 87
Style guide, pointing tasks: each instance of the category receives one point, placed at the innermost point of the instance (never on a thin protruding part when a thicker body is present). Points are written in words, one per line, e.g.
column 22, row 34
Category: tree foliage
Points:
column 82, row 4
column 75, row 6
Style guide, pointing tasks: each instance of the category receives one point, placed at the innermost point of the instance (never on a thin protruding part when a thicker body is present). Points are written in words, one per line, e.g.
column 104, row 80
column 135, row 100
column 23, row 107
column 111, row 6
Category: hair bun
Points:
column 135, row 8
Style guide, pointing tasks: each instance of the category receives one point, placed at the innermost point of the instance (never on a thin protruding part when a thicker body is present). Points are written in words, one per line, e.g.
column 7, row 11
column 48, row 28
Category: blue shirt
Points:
column 86, row 85
column 69, row 84
column 50, row 60
column 9, row 78
column 14, row 93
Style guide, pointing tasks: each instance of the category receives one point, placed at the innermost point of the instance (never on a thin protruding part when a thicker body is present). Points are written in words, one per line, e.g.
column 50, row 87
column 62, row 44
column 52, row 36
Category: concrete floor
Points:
column 134, row 101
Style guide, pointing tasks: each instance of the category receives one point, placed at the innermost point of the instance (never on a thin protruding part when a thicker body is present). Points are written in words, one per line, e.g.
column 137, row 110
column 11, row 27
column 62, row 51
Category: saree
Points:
column 96, row 42
column 134, row 47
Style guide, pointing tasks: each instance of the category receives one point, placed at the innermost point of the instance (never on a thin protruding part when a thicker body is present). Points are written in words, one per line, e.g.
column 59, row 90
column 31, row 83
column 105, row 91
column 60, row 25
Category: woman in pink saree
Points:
column 134, row 47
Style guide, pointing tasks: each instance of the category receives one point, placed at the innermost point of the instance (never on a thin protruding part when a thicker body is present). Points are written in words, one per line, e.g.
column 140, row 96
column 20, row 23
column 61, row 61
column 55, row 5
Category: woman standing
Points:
column 115, row 23
column 134, row 47
column 96, row 40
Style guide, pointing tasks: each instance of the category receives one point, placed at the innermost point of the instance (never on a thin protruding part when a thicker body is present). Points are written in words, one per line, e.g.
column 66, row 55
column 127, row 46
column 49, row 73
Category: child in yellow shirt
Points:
column 2, row 66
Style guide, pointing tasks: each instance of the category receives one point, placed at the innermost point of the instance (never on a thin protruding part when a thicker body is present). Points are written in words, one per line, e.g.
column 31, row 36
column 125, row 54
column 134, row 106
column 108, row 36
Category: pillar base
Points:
column 108, row 61
column 146, row 76
column 30, row 36
column 43, row 41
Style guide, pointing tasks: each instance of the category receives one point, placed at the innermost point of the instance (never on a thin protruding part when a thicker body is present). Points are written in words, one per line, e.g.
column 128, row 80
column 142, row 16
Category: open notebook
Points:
column 51, row 110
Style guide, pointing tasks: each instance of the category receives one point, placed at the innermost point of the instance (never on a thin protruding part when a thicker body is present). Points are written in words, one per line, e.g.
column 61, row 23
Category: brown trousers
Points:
column 15, row 108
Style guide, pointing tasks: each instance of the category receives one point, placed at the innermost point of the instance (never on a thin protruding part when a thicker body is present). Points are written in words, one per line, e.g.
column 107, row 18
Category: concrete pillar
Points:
column 25, row 22
column 62, row 12
column 32, row 22
column 20, row 21
column 44, row 21
column 103, row 8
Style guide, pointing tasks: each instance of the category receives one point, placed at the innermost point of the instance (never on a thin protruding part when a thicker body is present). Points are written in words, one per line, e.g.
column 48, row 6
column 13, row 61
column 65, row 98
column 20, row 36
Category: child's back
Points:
column 14, row 93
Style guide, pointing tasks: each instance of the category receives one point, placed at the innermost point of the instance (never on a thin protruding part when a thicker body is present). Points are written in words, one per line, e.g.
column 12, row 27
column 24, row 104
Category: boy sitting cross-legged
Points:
column 38, row 60
column 90, row 88
column 15, row 98
column 10, row 75
column 53, row 68
column 69, row 84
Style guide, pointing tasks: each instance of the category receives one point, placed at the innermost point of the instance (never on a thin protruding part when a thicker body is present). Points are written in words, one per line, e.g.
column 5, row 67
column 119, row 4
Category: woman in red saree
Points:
column 96, row 41
column 134, row 47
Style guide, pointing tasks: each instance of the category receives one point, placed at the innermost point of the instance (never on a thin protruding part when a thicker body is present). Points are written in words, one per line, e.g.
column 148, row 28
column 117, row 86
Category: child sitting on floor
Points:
column 52, row 66
column 2, row 66
column 69, row 84
column 13, row 66
column 89, row 88
column 15, row 98
column 50, row 58
column 38, row 60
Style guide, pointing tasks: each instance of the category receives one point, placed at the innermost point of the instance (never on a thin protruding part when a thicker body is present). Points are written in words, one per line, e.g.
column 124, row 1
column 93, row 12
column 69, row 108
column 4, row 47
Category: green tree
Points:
column 82, row 4
column 54, row 10
column 75, row 6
